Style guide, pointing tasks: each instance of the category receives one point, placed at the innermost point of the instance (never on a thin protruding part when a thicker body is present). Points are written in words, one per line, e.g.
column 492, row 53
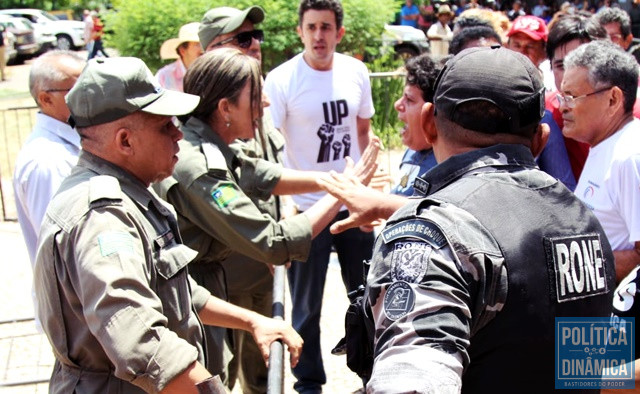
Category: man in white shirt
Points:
column 321, row 102
column 52, row 148
column 597, row 95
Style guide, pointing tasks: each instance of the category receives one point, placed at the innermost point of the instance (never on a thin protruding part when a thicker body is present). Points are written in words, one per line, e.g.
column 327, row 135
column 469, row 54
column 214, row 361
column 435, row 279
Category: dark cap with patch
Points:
column 498, row 76
column 112, row 88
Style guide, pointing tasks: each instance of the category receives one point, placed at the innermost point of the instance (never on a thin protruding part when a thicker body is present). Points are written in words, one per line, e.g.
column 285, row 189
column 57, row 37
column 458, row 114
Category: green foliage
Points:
column 140, row 26
column 385, row 90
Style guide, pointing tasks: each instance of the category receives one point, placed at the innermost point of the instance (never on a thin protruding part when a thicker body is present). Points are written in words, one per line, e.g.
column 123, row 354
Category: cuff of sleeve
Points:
column 173, row 357
column 298, row 232
column 259, row 177
column 199, row 295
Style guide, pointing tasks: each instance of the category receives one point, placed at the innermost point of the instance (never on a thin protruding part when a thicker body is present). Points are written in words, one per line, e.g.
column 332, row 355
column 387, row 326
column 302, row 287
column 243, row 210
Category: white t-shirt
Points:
column 317, row 112
column 610, row 185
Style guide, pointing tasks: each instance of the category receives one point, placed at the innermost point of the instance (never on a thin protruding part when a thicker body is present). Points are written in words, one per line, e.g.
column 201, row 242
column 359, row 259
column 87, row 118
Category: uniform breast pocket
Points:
column 172, row 285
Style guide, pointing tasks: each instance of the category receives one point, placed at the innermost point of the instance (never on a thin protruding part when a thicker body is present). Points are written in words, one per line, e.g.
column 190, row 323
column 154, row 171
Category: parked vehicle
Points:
column 406, row 41
column 69, row 34
column 45, row 39
column 25, row 38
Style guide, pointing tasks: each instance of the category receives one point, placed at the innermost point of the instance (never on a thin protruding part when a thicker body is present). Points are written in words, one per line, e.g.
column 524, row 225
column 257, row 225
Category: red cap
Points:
column 530, row 25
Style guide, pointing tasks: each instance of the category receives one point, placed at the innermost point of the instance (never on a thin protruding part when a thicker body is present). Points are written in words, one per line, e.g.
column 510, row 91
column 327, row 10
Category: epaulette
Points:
column 214, row 157
column 104, row 189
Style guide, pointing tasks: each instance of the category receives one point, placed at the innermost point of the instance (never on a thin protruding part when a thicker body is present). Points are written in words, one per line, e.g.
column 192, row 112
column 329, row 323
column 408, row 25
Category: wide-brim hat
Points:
column 111, row 88
column 224, row 20
column 444, row 9
column 187, row 33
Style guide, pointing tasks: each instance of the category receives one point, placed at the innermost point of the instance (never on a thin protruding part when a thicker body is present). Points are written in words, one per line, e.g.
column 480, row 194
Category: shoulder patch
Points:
column 115, row 242
column 578, row 265
column 398, row 300
column 214, row 157
column 410, row 261
column 104, row 187
column 416, row 229
column 224, row 194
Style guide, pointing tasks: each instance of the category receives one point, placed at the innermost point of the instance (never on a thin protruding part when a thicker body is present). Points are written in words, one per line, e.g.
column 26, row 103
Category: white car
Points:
column 69, row 34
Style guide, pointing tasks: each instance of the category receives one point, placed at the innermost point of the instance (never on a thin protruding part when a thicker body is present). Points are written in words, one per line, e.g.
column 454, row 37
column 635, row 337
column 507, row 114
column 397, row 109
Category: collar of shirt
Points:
column 496, row 156
column 207, row 134
column 60, row 129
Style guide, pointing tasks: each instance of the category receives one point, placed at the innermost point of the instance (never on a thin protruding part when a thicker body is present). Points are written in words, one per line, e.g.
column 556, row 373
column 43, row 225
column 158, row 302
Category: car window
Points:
column 49, row 16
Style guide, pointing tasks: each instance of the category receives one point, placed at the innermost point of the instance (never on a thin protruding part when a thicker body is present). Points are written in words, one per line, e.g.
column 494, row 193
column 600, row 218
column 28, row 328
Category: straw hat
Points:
column 187, row 33
column 444, row 9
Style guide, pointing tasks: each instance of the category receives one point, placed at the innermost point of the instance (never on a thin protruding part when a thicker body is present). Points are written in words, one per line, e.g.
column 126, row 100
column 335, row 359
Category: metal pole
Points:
column 276, row 355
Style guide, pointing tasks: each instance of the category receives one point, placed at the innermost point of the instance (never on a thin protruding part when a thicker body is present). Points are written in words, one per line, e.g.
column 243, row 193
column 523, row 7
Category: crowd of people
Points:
column 154, row 227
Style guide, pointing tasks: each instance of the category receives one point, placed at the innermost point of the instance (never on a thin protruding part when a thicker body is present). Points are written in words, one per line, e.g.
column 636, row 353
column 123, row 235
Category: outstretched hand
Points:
column 266, row 330
column 361, row 201
column 366, row 167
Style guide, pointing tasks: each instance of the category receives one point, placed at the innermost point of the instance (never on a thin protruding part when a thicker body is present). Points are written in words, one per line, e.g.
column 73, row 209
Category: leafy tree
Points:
column 140, row 26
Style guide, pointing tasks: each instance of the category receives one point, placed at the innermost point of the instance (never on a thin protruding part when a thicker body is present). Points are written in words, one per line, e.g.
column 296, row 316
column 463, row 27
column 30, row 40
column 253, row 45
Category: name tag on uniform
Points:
column 578, row 265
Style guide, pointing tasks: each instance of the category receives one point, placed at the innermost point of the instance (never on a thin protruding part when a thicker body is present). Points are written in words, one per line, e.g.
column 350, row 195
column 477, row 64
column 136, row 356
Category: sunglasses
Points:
column 244, row 39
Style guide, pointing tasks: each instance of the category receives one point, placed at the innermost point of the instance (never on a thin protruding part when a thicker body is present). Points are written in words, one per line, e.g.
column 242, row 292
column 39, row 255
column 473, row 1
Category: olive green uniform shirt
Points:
column 114, row 295
column 216, row 216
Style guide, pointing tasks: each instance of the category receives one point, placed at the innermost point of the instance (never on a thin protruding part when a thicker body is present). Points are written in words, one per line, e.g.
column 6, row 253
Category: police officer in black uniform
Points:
column 466, row 280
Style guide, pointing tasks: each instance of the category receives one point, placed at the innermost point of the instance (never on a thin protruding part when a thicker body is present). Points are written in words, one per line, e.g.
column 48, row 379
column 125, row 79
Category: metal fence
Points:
column 15, row 126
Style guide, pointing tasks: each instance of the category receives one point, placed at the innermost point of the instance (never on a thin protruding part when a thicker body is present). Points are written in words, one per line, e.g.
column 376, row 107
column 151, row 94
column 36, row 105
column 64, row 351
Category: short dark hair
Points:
column 422, row 72
column 468, row 34
column 615, row 15
column 573, row 27
column 331, row 5
column 464, row 22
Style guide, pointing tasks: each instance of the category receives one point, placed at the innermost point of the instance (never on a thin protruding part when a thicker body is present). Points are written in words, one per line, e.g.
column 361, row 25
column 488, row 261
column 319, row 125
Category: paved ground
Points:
column 25, row 354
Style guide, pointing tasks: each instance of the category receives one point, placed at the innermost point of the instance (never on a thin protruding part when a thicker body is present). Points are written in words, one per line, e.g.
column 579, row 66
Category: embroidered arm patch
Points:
column 115, row 242
column 417, row 229
column 224, row 195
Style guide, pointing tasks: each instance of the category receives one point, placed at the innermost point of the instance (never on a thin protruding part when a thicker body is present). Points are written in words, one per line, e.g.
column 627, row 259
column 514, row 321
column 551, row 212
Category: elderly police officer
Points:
column 114, row 295
column 466, row 281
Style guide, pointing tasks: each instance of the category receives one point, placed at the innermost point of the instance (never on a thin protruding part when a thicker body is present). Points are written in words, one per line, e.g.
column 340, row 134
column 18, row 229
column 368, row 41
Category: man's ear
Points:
column 427, row 121
column 616, row 99
column 44, row 98
column 124, row 142
column 299, row 31
column 539, row 139
column 341, row 32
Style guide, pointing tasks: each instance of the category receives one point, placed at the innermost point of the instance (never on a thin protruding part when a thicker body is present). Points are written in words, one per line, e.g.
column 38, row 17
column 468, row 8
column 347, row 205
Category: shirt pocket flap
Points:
column 174, row 258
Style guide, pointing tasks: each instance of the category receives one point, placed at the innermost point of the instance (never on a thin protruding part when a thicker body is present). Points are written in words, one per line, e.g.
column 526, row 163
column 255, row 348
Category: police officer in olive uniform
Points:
column 216, row 216
column 114, row 295
column 466, row 281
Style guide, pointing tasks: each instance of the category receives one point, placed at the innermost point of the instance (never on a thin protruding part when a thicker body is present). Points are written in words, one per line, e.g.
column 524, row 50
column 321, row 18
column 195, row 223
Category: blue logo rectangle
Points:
column 595, row 352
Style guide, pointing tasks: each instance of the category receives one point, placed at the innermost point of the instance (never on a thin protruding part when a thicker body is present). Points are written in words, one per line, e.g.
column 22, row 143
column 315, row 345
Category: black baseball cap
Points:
column 496, row 75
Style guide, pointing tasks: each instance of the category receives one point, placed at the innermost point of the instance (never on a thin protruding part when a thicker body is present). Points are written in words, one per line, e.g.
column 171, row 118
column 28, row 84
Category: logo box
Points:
column 594, row 352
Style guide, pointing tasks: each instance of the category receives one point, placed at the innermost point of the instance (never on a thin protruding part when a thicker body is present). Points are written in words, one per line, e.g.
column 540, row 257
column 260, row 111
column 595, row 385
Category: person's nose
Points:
column 398, row 105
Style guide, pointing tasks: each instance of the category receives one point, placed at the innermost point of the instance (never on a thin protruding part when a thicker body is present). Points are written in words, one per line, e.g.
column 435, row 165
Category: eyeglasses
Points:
column 57, row 90
column 570, row 101
column 244, row 39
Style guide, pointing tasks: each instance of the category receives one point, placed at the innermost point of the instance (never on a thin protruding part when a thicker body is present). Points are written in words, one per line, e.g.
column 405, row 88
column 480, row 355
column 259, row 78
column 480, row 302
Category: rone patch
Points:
column 410, row 261
column 398, row 300
column 578, row 265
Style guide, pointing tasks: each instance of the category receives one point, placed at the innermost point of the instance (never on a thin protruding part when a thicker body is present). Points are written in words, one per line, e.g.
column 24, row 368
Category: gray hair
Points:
column 607, row 64
column 615, row 15
column 45, row 71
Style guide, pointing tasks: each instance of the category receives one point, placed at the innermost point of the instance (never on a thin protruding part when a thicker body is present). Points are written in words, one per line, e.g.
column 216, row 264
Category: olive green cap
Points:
column 224, row 20
column 111, row 88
